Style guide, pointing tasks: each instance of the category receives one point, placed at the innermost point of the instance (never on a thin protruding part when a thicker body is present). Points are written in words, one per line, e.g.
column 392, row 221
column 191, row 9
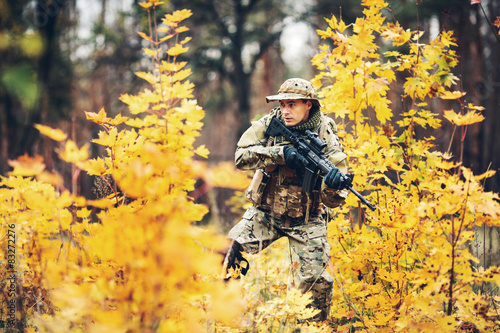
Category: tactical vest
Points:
column 277, row 189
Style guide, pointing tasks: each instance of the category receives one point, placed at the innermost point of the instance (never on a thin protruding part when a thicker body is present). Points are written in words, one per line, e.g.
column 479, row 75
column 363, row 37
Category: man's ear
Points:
column 309, row 104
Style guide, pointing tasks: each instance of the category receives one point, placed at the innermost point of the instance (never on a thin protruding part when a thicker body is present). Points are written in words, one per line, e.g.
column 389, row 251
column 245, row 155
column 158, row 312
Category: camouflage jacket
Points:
column 282, row 194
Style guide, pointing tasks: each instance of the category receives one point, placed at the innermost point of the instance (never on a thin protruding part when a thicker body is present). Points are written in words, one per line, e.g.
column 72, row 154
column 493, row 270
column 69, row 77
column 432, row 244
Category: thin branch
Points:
column 491, row 25
column 346, row 296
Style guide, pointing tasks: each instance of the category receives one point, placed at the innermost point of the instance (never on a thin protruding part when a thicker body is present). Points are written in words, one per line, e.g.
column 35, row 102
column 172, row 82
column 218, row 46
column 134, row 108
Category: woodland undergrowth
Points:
column 407, row 266
column 136, row 261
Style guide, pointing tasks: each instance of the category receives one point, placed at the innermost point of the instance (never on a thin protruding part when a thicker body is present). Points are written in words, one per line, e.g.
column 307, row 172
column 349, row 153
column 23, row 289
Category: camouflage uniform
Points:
column 282, row 209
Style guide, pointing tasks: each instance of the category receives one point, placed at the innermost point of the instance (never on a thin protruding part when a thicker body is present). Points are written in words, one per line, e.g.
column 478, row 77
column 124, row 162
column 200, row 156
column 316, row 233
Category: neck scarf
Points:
column 312, row 123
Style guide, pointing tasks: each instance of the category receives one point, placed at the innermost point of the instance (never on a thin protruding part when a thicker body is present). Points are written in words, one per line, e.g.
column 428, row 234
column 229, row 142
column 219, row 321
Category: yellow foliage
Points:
column 27, row 166
column 405, row 267
column 469, row 118
column 132, row 261
column 452, row 94
column 54, row 134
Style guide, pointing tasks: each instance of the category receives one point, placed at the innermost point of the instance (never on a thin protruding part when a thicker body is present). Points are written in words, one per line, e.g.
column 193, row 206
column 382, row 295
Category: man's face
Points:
column 295, row 111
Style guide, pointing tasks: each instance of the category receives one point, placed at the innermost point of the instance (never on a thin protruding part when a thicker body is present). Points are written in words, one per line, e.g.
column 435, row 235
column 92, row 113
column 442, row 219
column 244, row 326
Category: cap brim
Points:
column 291, row 96
column 285, row 96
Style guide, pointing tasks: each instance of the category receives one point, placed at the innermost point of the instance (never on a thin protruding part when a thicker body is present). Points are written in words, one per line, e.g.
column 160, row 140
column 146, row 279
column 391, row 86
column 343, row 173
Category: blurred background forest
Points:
column 59, row 58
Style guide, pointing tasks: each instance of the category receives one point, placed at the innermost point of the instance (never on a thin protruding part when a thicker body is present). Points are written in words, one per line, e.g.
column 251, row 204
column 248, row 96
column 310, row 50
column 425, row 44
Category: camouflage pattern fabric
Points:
column 254, row 151
column 257, row 230
column 284, row 210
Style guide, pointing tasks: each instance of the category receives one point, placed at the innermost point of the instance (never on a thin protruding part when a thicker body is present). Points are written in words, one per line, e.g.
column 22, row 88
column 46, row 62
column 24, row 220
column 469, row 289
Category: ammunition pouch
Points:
column 255, row 191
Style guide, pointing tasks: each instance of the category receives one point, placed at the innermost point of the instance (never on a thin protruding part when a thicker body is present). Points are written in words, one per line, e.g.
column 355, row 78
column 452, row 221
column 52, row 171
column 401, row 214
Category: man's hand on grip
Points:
column 336, row 180
column 293, row 159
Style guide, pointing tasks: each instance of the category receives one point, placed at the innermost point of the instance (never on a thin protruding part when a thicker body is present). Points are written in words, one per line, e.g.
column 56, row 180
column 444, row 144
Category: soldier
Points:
column 280, row 207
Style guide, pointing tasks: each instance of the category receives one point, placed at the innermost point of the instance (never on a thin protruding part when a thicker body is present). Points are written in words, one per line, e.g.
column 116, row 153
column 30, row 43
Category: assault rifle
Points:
column 312, row 149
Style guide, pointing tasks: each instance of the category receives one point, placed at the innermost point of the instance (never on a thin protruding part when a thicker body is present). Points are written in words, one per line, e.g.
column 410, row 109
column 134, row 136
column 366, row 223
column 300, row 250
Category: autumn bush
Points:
column 134, row 261
column 407, row 266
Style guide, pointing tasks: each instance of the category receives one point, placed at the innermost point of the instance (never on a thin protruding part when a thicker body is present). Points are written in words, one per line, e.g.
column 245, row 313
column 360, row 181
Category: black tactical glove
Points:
column 336, row 180
column 293, row 159
column 233, row 252
column 234, row 259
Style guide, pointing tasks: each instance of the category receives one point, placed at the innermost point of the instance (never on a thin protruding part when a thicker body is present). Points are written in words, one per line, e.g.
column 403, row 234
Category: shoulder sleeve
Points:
column 330, row 135
column 252, row 152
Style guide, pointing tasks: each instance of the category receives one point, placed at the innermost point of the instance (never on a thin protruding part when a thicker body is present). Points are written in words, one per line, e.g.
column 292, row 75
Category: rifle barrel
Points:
column 362, row 198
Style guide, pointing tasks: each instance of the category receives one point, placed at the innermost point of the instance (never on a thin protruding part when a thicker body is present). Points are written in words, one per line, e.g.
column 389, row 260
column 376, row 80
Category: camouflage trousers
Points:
column 257, row 230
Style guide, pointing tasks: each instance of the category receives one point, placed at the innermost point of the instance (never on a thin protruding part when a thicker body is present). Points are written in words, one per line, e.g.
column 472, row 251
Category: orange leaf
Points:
column 497, row 23
column 27, row 166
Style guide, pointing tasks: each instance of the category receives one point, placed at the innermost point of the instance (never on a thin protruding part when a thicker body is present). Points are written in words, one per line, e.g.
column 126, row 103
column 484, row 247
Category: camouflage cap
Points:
column 295, row 88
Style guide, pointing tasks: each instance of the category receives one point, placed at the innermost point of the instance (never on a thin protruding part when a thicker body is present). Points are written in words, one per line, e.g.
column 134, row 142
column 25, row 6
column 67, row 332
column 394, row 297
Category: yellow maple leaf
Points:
column 177, row 16
column 53, row 133
column 414, row 85
column 181, row 75
column 446, row 165
column 144, row 36
column 452, row 95
column 341, row 26
column 471, row 106
column 202, row 151
column 107, row 139
column 181, row 29
column 73, row 154
column 166, row 37
column 98, row 118
column 445, row 324
column 487, row 174
column 149, row 77
column 101, row 203
column 396, row 34
column 383, row 318
column 176, row 50
column 151, row 52
column 83, row 213
column 145, row 4
column 96, row 167
column 185, row 40
column 375, row 3
column 172, row 66
column 27, row 166
column 136, row 104
column 469, row 118
column 118, row 120
column 54, row 179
